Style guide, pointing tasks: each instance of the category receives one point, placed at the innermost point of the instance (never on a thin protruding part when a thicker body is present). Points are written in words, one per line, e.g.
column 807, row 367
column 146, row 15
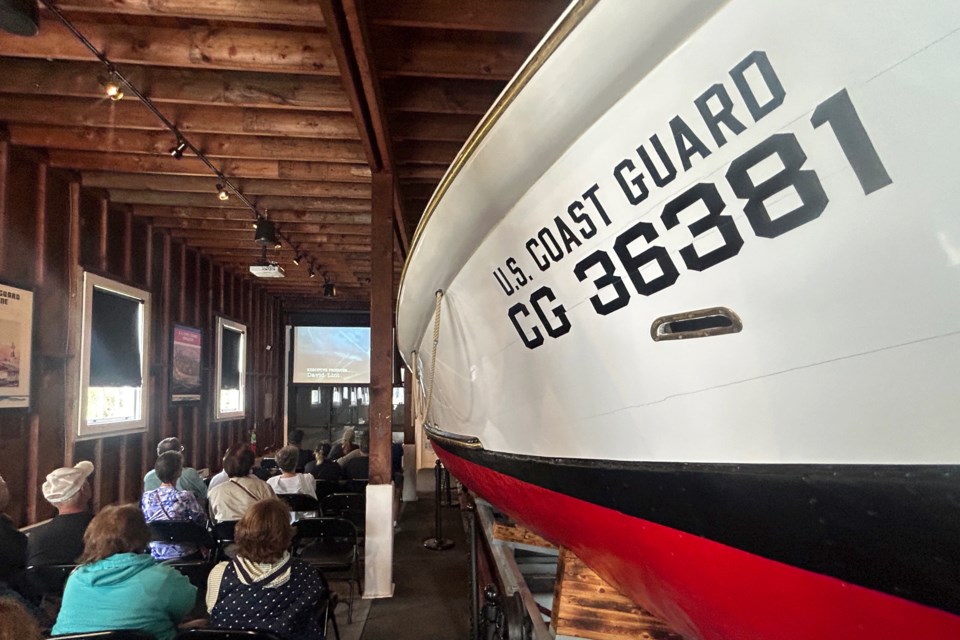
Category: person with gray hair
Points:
column 289, row 481
column 13, row 544
column 60, row 541
column 189, row 479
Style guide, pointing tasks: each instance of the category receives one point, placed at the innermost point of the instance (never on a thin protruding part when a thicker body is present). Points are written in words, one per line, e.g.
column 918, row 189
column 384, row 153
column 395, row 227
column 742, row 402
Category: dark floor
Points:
column 431, row 601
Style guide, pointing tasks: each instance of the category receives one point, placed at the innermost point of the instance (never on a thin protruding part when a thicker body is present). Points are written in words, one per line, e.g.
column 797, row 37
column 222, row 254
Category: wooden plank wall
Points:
column 50, row 229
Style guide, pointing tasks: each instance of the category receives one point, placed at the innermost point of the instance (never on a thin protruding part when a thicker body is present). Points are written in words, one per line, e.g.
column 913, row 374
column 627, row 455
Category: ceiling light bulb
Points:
column 177, row 151
column 114, row 92
column 222, row 192
column 313, row 274
column 297, row 258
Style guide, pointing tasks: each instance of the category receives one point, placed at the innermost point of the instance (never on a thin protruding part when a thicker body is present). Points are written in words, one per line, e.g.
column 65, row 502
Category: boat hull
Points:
column 718, row 233
column 741, row 566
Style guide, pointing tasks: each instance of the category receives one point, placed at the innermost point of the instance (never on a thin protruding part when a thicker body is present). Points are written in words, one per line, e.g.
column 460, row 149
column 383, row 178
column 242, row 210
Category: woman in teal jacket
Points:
column 117, row 586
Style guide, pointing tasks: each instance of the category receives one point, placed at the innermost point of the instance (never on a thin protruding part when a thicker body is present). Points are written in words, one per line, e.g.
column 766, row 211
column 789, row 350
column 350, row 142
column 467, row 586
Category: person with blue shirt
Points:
column 166, row 502
column 117, row 586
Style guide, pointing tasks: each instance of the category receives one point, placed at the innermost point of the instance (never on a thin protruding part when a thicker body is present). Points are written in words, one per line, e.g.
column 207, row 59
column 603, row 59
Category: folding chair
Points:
column 351, row 506
column 174, row 532
column 299, row 501
column 223, row 533
column 330, row 544
column 326, row 487
column 45, row 581
column 326, row 608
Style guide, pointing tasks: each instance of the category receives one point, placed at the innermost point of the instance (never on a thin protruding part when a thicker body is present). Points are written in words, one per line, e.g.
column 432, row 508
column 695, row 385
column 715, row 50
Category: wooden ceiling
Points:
column 296, row 101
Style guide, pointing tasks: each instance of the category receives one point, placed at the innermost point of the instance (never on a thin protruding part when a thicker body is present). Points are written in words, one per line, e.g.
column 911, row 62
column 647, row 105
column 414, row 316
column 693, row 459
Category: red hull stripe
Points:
column 704, row 589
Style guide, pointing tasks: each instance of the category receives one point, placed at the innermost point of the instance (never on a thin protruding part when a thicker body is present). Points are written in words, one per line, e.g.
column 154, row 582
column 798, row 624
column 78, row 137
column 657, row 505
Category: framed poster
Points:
column 16, row 346
column 185, row 364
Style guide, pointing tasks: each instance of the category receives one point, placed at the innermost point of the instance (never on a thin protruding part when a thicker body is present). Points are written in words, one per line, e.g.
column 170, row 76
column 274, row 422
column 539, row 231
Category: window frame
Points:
column 232, row 325
column 84, row 430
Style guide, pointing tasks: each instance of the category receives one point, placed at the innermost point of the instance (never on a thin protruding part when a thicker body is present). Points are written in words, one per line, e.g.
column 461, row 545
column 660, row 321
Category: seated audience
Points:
column 118, row 586
column 230, row 499
column 166, row 502
column 264, row 587
column 13, row 544
column 356, row 465
column 16, row 622
column 289, row 481
column 345, row 445
column 303, row 455
column 189, row 480
column 321, row 468
column 60, row 541
column 220, row 477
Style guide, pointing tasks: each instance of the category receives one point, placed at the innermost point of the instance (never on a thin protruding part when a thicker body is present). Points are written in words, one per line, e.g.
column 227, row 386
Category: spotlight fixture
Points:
column 177, row 151
column 20, row 17
column 257, row 221
column 222, row 192
column 266, row 233
column 329, row 289
column 112, row 86
column 313, row 272
column 297, row 258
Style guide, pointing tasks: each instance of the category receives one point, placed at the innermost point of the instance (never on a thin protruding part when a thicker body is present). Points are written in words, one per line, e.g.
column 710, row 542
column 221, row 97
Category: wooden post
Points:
column 586, row 606
column 39, row 275
column 72, row 388
column 147, row 440
column 381, row 328
column 4, row 177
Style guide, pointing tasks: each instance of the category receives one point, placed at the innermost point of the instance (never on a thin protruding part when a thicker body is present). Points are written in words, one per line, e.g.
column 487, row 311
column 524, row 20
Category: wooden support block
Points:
column 515, row 533
column 586, row 606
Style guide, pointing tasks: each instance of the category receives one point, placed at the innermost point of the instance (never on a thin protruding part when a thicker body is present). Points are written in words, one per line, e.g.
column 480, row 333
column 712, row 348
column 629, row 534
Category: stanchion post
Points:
column 437, row 542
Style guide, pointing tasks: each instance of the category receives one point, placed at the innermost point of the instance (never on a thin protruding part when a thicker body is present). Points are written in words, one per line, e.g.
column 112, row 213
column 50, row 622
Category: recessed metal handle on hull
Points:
column 696, row 324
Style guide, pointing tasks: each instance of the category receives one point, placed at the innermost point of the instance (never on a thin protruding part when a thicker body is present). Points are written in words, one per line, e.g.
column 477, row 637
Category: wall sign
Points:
column 16, row 335
column 185, row 364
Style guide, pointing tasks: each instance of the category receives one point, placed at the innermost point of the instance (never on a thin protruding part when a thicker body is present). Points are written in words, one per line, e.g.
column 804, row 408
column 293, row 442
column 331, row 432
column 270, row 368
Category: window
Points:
column 113, row 348
column 231, row 369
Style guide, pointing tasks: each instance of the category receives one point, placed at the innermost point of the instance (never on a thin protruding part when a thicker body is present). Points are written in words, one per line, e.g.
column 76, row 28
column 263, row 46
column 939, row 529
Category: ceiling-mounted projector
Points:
column 266, row 270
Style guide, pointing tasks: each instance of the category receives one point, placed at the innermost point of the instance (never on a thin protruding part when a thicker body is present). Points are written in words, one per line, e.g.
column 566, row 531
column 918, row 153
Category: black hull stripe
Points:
column 890, row 528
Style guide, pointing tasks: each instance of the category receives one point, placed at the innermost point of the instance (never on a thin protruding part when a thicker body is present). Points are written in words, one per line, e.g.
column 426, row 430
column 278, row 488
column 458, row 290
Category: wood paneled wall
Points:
column 50, row 230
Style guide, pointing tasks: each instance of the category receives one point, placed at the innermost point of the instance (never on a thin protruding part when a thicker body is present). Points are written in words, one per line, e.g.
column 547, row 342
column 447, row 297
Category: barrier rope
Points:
column 433, row 356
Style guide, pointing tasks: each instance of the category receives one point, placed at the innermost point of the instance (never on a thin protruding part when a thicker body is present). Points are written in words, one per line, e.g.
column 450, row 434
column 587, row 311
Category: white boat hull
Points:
column 820, row 136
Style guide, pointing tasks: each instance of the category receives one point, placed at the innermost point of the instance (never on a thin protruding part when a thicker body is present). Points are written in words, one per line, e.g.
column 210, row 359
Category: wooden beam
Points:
column 189, row 86
column 421, row 173
column 278, row 216
column 207, row 242
column 250, row 187
column 436, row 126
column 244, row 236
column 178, row 199
column 435, row 55
column 431, row 95
column 279, row 169
column 214, row 146
column 189, row 118
column 529, row 16
column 197, row 46
column 350, row 77
column 295, row 12
column 178, row 224
column 586, row 606
column 426, row 152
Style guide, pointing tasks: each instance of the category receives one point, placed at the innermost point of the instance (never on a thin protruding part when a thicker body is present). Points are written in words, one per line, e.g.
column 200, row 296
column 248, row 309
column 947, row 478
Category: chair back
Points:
column 299, row 501
column 226, row 634
column 224, row 534
column 46, row 580
column 326, row 487
column 352, row 506
column 179, row 532
column 329, row 528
